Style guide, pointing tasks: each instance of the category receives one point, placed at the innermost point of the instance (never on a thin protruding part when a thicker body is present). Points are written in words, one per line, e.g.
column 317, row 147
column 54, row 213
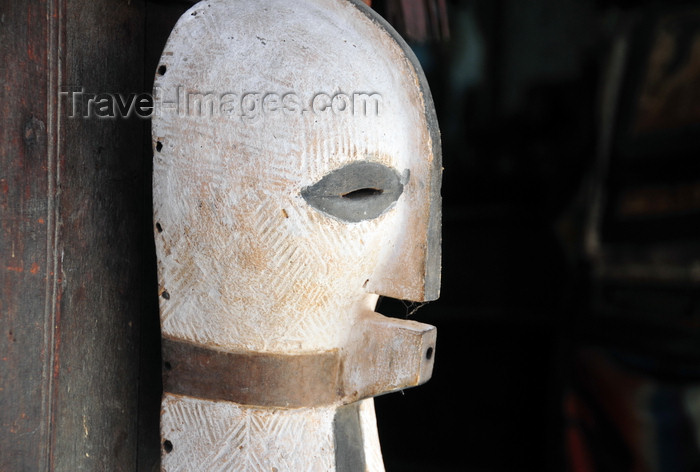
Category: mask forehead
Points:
column 279, row 76
column 256, row 101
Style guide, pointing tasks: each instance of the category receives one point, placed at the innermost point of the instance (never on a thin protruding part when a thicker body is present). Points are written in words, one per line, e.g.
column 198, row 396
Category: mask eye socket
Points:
column 356, row 192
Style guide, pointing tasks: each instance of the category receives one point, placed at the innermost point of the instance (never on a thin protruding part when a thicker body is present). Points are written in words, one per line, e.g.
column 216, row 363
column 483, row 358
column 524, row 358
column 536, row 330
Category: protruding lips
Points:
column 386, row 354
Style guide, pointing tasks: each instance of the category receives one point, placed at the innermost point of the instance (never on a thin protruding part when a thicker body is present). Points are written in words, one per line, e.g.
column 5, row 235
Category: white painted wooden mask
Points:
column 297, row 174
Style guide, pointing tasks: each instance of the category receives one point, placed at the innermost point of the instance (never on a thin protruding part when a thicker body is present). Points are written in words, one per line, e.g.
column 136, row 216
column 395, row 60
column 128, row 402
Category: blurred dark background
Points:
column 568, row 320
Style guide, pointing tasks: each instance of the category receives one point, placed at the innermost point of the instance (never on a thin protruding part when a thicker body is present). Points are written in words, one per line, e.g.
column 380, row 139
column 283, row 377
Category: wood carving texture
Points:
column 222, row 436
column 69, row 278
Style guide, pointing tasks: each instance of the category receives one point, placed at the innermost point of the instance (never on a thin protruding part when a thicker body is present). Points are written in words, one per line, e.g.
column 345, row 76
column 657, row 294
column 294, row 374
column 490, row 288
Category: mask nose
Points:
column 412, row 261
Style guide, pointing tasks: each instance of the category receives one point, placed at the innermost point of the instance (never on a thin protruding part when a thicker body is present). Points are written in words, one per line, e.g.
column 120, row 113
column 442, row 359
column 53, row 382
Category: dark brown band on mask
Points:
column 249, row 378
column 382, row 355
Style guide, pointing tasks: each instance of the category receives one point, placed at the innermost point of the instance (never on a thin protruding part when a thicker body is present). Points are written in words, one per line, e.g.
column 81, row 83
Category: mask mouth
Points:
column 391, row 307
column 398, row 308
column 384, row 354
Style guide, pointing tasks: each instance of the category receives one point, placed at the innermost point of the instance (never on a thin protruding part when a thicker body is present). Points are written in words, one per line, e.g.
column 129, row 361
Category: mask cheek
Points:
column 345, row 253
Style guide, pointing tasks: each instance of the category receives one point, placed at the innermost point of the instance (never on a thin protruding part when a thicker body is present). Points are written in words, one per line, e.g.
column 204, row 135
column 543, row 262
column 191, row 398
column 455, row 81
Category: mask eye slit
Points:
column 361, row 193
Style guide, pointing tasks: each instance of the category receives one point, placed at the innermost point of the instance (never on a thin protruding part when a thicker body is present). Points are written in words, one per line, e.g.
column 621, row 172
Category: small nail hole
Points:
column 165, row 295
column 159, row 227
column 167, row 365
column 429, row 353
column 364, row 285
column 159, row 146
column 162, row 69
column 167, row 446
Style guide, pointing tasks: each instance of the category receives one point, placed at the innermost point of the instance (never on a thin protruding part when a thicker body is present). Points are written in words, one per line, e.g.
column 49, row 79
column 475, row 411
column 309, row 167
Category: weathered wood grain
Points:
column 70, row 275
column 28, row 275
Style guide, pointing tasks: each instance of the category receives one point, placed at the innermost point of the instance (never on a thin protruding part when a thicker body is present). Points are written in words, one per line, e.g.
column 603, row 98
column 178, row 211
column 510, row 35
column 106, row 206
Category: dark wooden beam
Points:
column 71, row 204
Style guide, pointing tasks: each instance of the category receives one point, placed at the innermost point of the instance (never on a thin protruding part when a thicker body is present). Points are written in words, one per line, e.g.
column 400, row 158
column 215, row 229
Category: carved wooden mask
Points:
column 296, row 176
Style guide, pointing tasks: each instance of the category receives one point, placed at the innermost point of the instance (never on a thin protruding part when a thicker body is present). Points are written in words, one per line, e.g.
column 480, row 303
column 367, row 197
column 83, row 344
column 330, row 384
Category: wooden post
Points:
column 71, row 199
